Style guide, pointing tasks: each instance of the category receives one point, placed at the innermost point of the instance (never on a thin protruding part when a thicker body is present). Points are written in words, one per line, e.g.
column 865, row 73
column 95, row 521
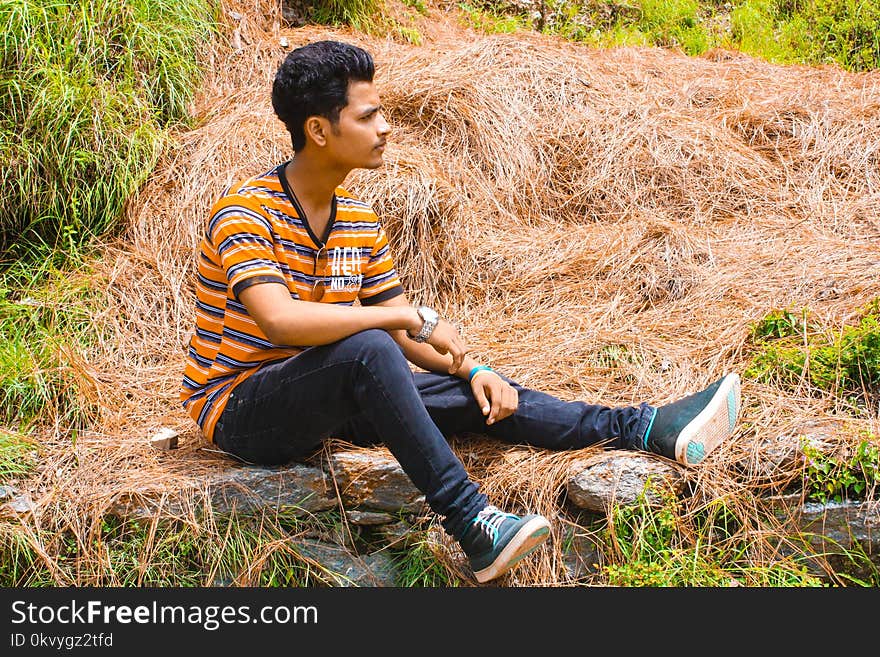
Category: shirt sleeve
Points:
column 380, row 277
column 244, row 244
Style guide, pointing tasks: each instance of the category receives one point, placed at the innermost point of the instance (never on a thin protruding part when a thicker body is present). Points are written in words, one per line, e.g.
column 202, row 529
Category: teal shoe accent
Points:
column 689, row 429
column 540, row 532
column 648, row 431
column 695, row 452
column 731, row 409
column 495, row 541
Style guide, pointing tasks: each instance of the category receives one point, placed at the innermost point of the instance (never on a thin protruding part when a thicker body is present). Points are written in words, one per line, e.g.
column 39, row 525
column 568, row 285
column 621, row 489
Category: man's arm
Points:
column 425, row 354
column 496, row 397
column 287, row 321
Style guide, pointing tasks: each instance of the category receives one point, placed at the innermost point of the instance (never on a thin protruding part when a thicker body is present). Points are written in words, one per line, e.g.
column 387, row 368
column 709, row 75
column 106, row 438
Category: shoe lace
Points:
column 490, row 519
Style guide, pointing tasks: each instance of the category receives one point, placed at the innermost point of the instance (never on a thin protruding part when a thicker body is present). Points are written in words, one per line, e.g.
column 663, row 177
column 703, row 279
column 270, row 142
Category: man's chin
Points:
column 374, row 162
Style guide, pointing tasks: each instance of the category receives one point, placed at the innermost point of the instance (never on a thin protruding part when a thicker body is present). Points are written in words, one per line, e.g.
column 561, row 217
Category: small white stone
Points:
column 21, row 504
column 164, row 438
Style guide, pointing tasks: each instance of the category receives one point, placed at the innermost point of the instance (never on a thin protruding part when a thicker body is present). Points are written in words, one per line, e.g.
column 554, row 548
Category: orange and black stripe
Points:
column 257, row 233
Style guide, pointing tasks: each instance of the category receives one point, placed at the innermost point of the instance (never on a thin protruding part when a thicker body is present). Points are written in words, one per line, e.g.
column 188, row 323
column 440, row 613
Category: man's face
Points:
column 357, row 140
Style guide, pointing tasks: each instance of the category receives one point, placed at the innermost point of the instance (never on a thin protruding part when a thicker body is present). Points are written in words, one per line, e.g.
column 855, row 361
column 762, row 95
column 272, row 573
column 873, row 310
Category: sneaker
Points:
column 689, row 429
column 495, row 541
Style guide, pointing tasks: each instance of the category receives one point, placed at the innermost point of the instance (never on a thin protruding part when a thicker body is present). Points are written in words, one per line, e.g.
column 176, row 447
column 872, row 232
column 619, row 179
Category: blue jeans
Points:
column 361, row 389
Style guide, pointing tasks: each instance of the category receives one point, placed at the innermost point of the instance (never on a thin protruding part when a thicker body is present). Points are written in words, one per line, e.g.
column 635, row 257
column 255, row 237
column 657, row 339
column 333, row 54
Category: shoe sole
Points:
column 716, row 422
column 529, row 537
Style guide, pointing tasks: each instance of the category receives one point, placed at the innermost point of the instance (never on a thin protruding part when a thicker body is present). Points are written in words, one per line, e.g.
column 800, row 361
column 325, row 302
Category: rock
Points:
column 374, row 481
column 620, row 478
column 580, row 557
column 343, row 568
column 366, row 518
column 400, row 535
column 837, row 531
column 295, row 13
column 19, row 505
column 164, row 438
column 297, row 488
column 371, row 486
column 784, row 454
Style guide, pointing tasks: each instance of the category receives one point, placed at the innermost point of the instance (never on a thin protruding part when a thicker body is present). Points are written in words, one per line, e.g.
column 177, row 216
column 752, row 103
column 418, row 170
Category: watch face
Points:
column 428, row 314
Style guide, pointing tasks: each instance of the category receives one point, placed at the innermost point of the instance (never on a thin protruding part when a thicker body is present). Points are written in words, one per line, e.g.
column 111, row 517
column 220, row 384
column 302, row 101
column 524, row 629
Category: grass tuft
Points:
column 794, row 351
column 87, row 92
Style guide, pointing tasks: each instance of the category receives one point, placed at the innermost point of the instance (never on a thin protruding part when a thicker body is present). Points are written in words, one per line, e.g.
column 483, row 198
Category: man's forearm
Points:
column 304, row 323
column 425, row 356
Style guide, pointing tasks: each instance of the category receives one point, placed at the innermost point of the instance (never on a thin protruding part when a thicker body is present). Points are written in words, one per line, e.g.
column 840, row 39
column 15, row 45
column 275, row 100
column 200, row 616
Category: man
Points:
column 283, row 358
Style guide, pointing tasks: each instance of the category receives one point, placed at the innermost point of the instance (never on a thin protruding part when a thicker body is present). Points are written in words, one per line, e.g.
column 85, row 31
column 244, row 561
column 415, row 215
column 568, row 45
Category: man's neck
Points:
column 313, row 182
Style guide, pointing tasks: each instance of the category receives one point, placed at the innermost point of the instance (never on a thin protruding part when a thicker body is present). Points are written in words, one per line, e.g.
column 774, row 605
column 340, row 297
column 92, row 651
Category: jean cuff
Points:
column 646, row 417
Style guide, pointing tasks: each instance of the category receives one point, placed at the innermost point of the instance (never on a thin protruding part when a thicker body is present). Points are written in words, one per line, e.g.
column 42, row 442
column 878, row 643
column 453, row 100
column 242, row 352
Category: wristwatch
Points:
column 430, row 318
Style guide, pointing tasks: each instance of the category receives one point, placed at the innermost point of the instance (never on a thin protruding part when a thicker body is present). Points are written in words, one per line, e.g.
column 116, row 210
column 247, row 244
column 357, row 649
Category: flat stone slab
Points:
column 375, row 481
column 838, row 527
column 17, row 506
column 297, row 488
column 342, row 568
column 620, row 478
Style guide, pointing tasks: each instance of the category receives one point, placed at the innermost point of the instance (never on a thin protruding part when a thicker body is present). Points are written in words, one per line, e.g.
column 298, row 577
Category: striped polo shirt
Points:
column 256, row 233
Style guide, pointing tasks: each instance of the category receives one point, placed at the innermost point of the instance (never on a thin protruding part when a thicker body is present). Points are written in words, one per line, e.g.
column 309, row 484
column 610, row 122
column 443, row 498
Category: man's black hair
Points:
column 313, row 81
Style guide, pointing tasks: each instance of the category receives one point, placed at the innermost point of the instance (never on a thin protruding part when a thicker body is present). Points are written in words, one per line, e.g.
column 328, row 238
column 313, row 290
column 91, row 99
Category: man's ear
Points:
column 316, row 129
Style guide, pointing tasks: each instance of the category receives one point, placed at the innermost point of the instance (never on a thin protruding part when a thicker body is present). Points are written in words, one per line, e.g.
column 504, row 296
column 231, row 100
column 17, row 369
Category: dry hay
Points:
column 601, row 224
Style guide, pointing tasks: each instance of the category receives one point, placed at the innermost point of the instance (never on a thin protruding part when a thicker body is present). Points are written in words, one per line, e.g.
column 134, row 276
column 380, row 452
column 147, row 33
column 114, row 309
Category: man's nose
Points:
column 383, row 127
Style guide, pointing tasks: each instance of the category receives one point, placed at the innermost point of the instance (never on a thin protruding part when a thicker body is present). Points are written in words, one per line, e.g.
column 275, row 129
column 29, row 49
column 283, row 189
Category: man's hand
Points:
column 496, row 397
column 446, row 340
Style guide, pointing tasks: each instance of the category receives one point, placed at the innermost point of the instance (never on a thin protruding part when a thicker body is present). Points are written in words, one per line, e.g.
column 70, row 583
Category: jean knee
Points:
column 375, row 347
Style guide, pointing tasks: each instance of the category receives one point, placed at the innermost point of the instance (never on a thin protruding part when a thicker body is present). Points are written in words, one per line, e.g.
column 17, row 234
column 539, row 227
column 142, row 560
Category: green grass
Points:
column 178, row 554
column 20, row 563
column 489, row 18
column 364, row 15
column 654, row 545
column 418, row 566
column 755, row 31
column 167, row 553
column 646, row 544
column 841, row 32
column 88, row 90
column 368, row 16
column 17, row 454
column 44, row 320
column 418, row 5
column 838, row 477
column 674, row 23
column 790, row 350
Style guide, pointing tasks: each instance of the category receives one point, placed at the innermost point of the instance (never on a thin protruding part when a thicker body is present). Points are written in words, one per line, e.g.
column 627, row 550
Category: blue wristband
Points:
column 479, row 368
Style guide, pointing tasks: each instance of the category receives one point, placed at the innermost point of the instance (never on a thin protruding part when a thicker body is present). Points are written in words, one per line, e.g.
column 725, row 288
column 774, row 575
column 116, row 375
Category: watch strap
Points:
column 428, row 326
